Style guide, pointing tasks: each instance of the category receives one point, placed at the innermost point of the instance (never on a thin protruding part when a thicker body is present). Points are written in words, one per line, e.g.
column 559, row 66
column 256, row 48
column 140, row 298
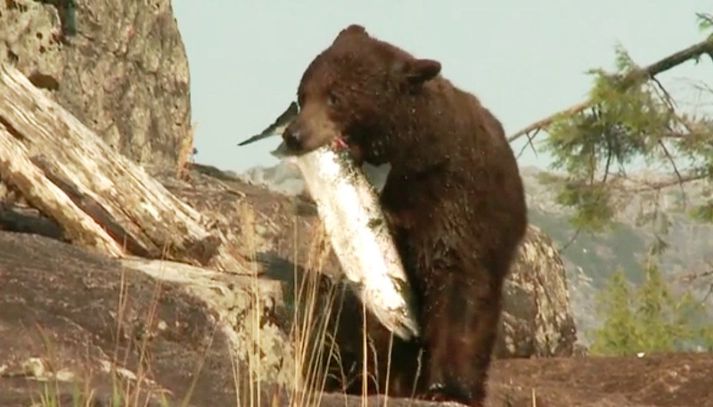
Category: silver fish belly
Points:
column 349, row 209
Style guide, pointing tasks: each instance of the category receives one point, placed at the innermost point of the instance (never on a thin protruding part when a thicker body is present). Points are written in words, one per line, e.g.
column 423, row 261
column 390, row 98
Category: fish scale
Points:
column 354, row 221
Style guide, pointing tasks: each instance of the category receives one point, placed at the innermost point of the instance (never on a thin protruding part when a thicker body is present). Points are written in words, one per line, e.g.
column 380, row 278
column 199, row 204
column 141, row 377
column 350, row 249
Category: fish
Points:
column 348, row 206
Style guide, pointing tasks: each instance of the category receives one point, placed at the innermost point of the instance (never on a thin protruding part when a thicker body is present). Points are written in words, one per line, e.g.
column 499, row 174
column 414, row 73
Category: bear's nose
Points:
column 292, row 137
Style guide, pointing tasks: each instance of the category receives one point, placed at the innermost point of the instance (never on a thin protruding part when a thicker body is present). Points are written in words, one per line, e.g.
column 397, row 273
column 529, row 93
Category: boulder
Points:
column 119, row 66
column 61, row 339
column 73, row 321
column 537, row 317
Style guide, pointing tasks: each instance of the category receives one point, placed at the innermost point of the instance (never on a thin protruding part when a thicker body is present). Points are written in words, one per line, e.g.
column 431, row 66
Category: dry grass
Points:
column 310, row 333
column 310, row 336
column 313, row 340
column 129, row 389
column 316, row 303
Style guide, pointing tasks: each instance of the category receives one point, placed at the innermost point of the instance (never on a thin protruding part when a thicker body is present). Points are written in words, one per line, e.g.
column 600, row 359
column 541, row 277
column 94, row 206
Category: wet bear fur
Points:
column 455, row 203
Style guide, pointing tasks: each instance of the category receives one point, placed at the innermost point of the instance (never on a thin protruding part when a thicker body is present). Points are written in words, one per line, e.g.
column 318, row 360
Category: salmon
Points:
column 348, row 206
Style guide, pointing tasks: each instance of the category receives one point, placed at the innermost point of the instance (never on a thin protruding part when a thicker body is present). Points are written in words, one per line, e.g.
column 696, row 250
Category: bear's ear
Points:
column 353, row 29
column 417, row 71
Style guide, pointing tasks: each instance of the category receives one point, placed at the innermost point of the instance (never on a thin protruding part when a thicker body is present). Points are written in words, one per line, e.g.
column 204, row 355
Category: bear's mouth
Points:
column 372, row 149
column 340, row 143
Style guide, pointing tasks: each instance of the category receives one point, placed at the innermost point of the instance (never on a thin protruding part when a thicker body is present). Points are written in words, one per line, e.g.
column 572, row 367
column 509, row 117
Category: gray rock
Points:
column 57, row 291
column 71, row 317
column 537, row 317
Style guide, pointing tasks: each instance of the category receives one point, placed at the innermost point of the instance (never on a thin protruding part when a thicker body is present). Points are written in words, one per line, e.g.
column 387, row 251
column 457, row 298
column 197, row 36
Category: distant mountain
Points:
column 589, row 259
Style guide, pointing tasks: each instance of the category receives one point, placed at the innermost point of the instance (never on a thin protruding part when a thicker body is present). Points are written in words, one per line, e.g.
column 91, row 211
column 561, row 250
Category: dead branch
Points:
column 690, row 277
column 57, row 160
column 626, row 184
column 674, row 166
column 680, row 179
column 675, row 59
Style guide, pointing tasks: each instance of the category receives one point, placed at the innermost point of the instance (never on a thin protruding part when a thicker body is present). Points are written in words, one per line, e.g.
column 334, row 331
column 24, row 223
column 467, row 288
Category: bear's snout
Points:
column 310, row 130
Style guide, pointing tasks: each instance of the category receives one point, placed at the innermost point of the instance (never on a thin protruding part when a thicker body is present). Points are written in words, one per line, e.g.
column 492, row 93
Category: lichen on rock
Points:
column 124, row 73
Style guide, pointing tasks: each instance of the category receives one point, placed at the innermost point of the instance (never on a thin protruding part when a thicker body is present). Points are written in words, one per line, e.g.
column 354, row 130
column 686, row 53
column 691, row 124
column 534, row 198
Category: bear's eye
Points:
column 332, row 99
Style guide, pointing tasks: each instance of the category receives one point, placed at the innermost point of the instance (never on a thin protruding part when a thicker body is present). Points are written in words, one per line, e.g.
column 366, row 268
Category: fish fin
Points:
column 282, row 151
column 282, row 121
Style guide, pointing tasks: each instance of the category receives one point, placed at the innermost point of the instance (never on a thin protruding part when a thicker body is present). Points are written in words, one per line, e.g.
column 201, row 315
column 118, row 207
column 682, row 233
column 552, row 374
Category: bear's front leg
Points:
column 461, row 309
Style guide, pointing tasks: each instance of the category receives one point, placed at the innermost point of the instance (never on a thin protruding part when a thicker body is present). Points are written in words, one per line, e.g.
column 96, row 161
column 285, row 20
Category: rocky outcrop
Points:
column 69, row 317
column 537, row 317
column 123, row 73
column 60, row 307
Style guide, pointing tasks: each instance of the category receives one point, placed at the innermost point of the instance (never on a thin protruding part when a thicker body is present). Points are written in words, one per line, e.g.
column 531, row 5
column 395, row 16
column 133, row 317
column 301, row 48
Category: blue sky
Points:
column 523, row 59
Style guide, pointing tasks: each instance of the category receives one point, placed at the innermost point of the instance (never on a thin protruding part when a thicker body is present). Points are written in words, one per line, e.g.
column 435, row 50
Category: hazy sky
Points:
column 523, row 59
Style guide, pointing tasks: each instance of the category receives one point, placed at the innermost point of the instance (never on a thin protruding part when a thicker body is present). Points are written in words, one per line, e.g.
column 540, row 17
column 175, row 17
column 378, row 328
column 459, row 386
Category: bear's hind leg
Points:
column 461, row 313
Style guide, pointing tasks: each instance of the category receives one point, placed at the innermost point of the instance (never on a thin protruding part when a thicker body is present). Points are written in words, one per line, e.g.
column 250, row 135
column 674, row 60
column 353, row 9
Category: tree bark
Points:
column 69, row 172
column 17, row 169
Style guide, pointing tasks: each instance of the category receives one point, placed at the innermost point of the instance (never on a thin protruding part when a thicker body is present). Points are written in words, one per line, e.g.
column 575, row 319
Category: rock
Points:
column 124, row 74
column 59, row 313
column 282, row 233
column 537, row 317
column 71, row 317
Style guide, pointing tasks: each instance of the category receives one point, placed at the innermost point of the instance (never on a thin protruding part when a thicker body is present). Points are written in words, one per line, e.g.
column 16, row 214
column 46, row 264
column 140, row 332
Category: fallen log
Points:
column 17, row 169
column 99, row 185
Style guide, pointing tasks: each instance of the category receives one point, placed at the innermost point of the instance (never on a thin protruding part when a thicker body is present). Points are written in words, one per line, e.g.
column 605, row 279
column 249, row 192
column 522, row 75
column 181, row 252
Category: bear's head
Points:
column 355, row 91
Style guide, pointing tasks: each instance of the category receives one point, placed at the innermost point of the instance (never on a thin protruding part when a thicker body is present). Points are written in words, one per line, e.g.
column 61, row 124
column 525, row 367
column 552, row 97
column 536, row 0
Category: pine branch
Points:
column 671, row 61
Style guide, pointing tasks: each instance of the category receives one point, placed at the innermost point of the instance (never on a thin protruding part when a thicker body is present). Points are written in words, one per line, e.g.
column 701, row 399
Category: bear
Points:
column 454, row 202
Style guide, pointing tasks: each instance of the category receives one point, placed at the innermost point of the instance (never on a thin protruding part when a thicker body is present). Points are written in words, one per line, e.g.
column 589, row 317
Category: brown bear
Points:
column 454, row 198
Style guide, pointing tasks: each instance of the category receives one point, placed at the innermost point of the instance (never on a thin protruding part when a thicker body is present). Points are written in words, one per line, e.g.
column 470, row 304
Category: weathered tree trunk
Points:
column 17, row 169
column 63, row 168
